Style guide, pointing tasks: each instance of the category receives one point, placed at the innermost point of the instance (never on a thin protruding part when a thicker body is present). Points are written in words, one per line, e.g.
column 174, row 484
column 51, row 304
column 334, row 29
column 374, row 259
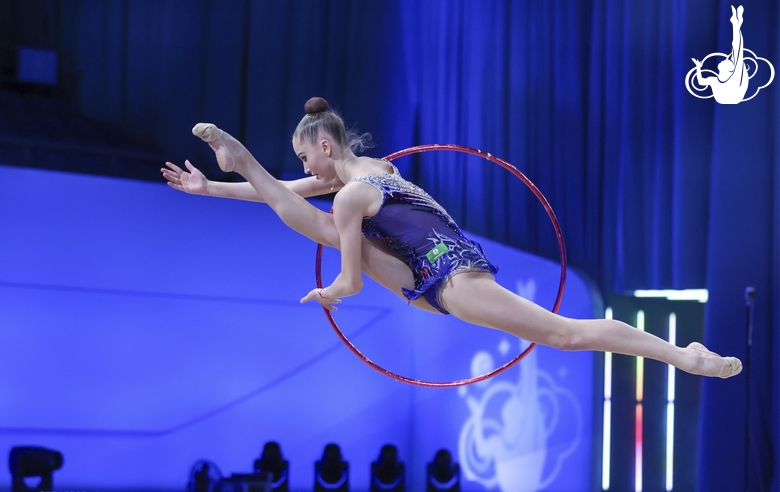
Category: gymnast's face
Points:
column 315, row 157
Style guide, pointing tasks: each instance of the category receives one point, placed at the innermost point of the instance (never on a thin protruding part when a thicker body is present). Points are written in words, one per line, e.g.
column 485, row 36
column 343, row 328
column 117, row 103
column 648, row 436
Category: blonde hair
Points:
column 320, row 118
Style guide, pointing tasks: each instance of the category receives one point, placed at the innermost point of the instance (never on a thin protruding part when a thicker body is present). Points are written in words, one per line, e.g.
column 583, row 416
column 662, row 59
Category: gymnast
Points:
column 399, row 236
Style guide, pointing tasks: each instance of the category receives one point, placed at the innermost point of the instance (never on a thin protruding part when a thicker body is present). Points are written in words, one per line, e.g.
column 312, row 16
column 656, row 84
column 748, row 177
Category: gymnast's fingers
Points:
column 172, row 179
column 169, row 174
column 189, row 165
column 174, row 167
column 308, row 297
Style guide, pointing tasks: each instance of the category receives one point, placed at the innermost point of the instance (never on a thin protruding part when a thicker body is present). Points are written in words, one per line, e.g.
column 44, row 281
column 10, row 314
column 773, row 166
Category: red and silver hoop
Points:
column 562, row 283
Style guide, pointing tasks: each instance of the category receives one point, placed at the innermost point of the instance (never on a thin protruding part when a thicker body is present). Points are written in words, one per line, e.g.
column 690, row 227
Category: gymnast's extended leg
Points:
column 295, row 211
column 476, row 297
column 301, row 216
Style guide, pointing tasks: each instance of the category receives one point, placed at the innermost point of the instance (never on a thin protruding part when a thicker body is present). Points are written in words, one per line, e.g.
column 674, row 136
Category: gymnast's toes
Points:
column 221, row 146
column 731, row 367
column 208, row 132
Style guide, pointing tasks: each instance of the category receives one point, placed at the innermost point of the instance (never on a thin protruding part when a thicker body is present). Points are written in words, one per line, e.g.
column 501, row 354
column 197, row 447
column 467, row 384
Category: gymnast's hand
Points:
column 189, row 182
column 326, row 302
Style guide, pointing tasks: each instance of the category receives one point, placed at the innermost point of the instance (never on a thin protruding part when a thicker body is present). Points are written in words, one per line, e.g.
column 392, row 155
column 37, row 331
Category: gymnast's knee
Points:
column 566, row 335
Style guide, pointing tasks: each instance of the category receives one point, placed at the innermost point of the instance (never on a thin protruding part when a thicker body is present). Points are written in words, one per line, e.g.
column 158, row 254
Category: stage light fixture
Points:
column 273, row 467
column 443, row 473
column 31, row 462
column 331, row 473
column 387, row 472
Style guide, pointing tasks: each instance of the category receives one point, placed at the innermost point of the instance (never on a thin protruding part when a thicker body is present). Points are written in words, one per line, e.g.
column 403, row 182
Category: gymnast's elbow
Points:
column 355, row 287
column 349, row 286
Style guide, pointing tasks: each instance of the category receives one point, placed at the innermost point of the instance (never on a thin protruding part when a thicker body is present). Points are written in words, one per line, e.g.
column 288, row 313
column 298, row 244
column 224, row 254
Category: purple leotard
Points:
column 413, row 224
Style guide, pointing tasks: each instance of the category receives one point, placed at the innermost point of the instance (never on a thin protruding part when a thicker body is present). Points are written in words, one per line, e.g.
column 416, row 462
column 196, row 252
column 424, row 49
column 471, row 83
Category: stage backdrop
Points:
column 143, row 329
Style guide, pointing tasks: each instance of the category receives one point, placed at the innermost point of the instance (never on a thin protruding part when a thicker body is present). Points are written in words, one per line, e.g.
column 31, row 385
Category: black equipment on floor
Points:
column 331, row 472
column 33, row 461
column 443, row 473
column 273, row 467
column 387, row 473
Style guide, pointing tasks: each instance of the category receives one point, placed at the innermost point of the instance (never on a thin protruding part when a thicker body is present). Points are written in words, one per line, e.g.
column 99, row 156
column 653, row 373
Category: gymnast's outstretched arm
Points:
column 193, row 181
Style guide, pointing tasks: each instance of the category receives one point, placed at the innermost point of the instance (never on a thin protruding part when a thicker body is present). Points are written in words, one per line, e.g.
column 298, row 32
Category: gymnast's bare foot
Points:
column 708, row 363
column 227, row 148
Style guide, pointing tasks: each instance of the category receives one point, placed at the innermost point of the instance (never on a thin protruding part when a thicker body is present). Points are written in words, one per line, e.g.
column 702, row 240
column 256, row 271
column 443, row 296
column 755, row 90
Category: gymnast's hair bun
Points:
column 315, row 105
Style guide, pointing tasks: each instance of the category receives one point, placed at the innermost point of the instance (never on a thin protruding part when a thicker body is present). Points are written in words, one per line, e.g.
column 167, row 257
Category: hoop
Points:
column 447, row 384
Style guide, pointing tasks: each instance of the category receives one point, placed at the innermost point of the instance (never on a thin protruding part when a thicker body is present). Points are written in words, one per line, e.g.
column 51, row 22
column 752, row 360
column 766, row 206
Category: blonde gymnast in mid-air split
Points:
column 399, row 236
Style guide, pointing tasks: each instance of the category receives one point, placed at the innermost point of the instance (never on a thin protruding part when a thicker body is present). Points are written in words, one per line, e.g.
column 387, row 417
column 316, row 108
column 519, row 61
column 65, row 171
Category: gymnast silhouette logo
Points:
column 730, row 84
column 504, row 441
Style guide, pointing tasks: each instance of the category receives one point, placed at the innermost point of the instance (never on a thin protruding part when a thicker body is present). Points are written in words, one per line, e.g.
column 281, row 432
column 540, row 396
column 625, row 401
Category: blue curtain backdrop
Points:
column 653, row 187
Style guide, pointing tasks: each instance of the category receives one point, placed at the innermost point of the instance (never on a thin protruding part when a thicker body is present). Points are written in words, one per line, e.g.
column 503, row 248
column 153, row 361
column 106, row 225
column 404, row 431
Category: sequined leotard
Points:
column 429, row 241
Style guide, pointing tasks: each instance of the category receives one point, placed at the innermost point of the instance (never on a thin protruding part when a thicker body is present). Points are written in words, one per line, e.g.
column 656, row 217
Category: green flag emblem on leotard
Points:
column 436, row 252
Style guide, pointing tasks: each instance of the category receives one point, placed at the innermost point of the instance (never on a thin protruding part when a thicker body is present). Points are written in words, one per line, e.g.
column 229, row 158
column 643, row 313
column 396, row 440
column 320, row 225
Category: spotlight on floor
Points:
column 331, row 472
column 33, row 462
column 443, row 473
column 273, row 467
column 387, row 473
